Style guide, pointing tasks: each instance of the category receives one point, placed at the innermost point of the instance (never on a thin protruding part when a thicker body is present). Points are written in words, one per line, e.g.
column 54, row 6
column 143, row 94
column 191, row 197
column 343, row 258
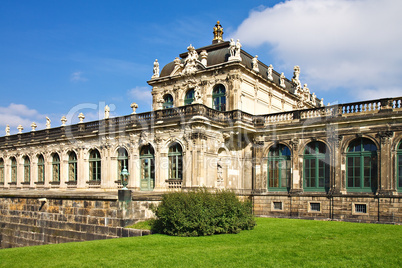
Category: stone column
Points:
column 83, row 168
column 335, row 164
column 34, row 171
column 259, row 178
column 63, row 169
column 385, row 184
column 20, row 170
column 296, row 184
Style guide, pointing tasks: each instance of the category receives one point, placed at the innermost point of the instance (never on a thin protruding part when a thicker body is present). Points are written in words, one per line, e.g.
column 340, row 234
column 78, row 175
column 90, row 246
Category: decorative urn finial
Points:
column 218, row 33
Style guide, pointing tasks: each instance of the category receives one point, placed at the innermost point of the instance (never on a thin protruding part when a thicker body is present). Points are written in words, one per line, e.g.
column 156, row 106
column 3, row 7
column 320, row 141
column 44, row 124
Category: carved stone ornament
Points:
column 107, row 112
column 204, row 57
column 254, row 61
column 81, row 117
column 33, row 126
column 234, row 50
column 47, row 122
column 156, row 69
column 282, row 80
column 296, row 75
column 269, row 72
column 385, row 136
column 134, row 106
column 190, row 61
column 8, row 130
column 20, row 129
column 63, row 121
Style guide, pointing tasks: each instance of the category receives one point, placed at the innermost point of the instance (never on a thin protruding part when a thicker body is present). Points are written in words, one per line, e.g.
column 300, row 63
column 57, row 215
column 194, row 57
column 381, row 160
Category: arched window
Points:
column 189, row 97
column 1, row 170
column 279, row 166
column 167, row 101
column 55, row 167
column 94, row 166
column 219, row 98
column 122, row 161
column 41, row 168
column 72, row 166
column 13, row 169
column 27, row 169
column 361, row 170
column 175, row 162
column 399, row 168
column 316, row 167
column 147, row 158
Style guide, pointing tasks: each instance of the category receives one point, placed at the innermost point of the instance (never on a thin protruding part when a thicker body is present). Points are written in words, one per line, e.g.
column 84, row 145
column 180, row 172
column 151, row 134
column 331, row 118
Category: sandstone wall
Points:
column 26, row 221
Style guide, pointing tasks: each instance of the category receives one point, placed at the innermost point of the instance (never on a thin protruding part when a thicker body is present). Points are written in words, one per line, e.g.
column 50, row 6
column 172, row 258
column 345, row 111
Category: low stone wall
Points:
column 356, row 208
column 50, row 218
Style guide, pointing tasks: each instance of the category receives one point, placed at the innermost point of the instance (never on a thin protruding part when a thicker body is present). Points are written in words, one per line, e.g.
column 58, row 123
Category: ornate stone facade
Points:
column 223, row 119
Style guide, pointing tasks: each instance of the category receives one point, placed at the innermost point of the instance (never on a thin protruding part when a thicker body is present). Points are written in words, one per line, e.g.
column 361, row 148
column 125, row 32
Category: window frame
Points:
column 167, row 101
column 41, row 165
column 14, row 169
column 189, row 97
column 312, row 160
column 359, row 166
column 27, row 169
column 147, row 166
column 122, row 161
column 95, row 165
column 72, row 167
column 2, row 170
column 55, row 167
column 398, row 165
column 219, row 98
column 278, row 159
column 175, row 159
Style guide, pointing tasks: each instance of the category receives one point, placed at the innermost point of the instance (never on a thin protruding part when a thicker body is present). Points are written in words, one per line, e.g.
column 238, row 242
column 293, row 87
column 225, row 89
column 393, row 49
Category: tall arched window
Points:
column 1, row 170
column 175, row 162
column 94, row 166
column 399, row 168
column 189, row 97
column 361, row 170
column 55, row 168
column 72, row 166
column 167, row 101
column 41, row 168
column 316, row 167
column 27, row 169
column 13, row 169
column 147, row 158
column 279, row 166
column 122, row 161
column 219, row 98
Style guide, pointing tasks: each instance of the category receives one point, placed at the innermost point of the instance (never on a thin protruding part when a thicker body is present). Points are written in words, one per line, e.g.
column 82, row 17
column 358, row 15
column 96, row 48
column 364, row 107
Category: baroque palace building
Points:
column 222, row 119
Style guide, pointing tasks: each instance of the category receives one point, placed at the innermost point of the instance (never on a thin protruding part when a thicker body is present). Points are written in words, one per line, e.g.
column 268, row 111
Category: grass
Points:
column 144, row 225
column 273, row 243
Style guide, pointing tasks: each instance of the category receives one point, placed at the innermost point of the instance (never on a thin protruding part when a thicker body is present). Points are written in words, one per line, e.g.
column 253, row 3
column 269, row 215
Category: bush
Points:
column 200, row 212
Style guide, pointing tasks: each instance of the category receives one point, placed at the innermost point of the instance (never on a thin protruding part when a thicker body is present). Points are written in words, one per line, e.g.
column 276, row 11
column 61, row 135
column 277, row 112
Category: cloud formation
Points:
column 140, row 94
column 337, row 43
column 77, row 77
column 20, row 114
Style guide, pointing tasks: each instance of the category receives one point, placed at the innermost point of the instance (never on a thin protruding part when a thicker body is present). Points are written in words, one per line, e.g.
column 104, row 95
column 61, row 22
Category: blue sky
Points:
column 64, row 57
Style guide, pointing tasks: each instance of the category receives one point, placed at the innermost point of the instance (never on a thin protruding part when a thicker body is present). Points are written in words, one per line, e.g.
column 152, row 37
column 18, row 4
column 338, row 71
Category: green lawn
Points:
column 273, row 242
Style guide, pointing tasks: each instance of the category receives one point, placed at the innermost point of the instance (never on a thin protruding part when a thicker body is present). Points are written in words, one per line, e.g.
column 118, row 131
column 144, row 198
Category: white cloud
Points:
column 337, row 43
column 140, row 94
column 77, row 77
column 20, row 114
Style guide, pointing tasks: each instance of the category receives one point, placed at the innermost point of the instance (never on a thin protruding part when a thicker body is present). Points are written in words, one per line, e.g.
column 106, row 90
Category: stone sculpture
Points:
column 269, row 72
column 254, row 61
column 47, row 122
column 134, row 106
column 33, row 126
column 156, row 69
column 107, row 112
column 8, row 130
column 282, row 80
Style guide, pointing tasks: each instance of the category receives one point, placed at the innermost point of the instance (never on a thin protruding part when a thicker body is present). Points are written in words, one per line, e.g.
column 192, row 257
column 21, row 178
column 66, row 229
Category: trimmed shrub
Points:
column 200, row 212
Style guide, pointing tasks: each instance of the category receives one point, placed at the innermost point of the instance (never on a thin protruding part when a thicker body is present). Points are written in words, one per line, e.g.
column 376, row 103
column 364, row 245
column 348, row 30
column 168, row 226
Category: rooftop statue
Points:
column 254, row 61
column 234, row 49
column 218, row 33
column 8, row 130
column 282, row 80
column 296, row 74
column 156, row 69
column 47, row 122
column 190, row 60
column 269, row 72
column 107, row 112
